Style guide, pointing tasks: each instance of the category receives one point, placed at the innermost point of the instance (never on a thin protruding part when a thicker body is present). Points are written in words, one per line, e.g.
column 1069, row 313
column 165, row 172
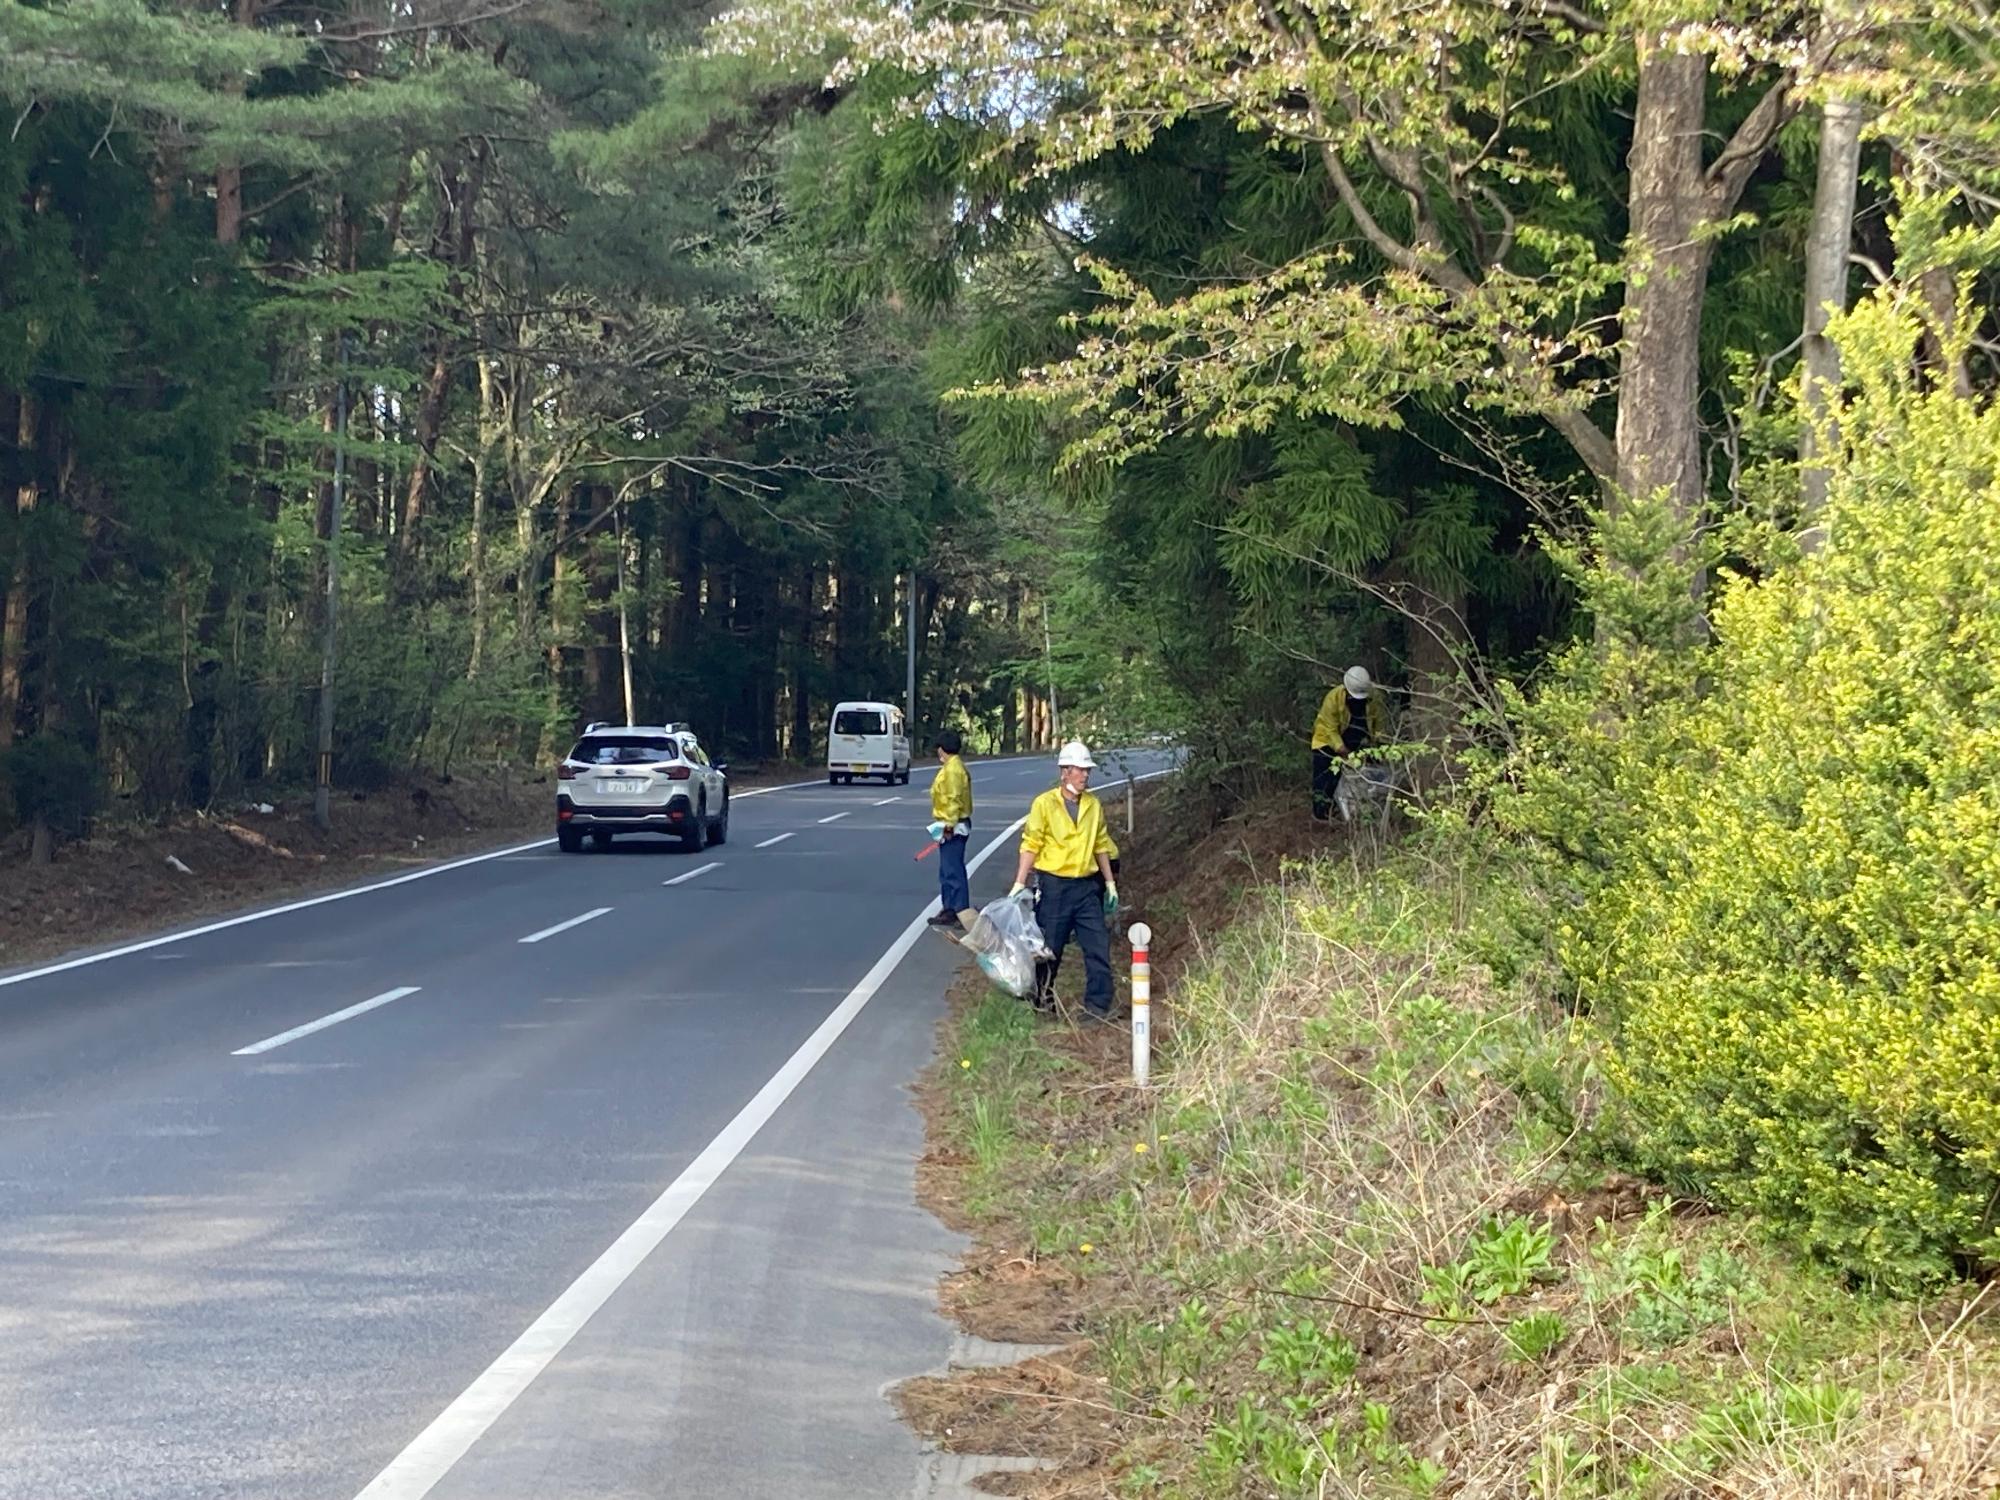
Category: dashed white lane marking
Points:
column 885, row 801
column 837, row 817
column 549, row 932
column 323, row 1022
column 714, row 864
column 778, row 840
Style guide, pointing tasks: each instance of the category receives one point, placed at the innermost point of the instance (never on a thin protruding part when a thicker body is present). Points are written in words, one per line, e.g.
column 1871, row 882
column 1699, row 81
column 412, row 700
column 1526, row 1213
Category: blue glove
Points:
column 936, row 831
column 1111, row 901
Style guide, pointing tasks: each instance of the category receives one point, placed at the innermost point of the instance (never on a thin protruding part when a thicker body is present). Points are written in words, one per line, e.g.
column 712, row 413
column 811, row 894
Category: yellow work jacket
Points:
column 1063, row 845
column 951, row 793
column 1330, row 728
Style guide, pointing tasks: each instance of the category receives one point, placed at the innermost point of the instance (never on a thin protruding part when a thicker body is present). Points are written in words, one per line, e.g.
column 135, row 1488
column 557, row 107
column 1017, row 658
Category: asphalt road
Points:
column 626, row 1210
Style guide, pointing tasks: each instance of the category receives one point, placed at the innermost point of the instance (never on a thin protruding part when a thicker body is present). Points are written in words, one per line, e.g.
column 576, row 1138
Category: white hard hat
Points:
column 1075, row 753
column 1357, row 683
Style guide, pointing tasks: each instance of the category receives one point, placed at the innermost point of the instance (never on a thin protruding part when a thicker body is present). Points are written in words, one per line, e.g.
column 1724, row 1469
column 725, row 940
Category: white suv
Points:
column 640, row 778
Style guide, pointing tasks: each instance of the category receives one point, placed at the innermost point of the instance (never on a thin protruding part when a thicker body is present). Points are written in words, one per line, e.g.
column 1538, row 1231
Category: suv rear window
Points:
column 624, row 750
column 859, row 721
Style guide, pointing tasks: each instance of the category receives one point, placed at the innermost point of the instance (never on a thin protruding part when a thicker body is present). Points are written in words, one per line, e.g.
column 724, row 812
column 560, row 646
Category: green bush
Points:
column 1779, row 852
column 54, row 777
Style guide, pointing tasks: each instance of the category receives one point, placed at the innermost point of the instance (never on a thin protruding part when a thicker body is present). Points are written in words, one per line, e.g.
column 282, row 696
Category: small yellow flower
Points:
column 1086, row 1247
column 965, row 1062
column 1140, row 1148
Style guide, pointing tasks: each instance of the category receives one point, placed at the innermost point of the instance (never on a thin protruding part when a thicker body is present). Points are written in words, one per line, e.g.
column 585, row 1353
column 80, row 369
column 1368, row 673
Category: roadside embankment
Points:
column 1365, row 1235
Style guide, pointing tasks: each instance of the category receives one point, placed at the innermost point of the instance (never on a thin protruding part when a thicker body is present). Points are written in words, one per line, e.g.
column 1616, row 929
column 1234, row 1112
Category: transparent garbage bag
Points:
column 1007, row 941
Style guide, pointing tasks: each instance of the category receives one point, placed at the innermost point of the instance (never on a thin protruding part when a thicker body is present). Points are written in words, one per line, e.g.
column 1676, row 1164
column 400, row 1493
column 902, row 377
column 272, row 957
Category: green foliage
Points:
column 1644, row 1278
column 1756, row 1415
column 1307, row 1360
column 1504, row 1258
column 1535, row 1337
column 55, row 780
column 1783, row 844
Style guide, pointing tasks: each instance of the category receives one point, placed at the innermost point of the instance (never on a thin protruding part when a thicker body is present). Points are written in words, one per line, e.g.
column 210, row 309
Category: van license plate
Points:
column 861, row 766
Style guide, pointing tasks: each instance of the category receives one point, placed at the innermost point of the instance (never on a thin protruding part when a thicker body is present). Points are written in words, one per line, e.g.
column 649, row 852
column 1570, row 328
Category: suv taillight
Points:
column 566, row 772
column 678, row 773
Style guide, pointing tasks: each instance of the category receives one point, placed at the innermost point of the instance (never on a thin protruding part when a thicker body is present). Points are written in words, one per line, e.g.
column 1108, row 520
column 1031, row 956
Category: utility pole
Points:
column 1049, row 660
column 323, row 772
column 910, row 640
column 624, row 620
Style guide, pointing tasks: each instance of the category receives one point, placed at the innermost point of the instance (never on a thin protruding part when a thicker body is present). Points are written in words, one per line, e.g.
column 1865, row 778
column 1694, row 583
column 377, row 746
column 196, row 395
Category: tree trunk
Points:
column 14, row 617
column 624, row 627
column 229, row 176
column 430, row 422
column 1659, row 383
column 686, row 617
column 601, row 684
column 482, row 463
column 452, row 242
column 1827, row 244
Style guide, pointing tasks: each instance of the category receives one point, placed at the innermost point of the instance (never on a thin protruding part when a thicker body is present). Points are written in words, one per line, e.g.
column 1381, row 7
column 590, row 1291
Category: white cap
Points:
column 1357, row 683
column 1076, row 753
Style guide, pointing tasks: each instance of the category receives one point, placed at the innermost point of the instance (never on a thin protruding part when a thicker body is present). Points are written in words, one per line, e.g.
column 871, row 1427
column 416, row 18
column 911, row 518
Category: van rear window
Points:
column 624, row 750
column 859, row 721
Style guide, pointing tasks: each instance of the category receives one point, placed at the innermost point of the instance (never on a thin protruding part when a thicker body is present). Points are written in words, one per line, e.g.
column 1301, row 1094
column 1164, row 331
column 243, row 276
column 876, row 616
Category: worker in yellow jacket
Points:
column 951, row 827
column 1067, row 848
column 1350, row 720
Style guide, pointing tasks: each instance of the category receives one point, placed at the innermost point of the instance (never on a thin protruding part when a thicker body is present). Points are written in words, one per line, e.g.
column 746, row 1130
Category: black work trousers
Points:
column 1326, row 781
column 1074, row 906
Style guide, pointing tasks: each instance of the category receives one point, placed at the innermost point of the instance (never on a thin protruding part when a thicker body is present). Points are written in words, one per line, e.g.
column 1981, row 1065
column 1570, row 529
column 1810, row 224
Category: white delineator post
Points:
column 1142, row 1003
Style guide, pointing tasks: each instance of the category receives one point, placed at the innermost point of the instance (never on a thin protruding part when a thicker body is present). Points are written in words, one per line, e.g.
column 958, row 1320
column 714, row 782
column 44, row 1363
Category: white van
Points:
column 868, row 739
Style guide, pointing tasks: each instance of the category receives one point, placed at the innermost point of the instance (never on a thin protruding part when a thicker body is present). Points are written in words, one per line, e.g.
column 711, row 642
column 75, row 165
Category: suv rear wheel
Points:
column 695, row 839
column 719, row 834
column 568, row 839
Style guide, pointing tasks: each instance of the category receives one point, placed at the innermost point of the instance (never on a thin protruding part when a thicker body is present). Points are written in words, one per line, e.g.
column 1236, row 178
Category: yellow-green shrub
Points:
column 1783, row 850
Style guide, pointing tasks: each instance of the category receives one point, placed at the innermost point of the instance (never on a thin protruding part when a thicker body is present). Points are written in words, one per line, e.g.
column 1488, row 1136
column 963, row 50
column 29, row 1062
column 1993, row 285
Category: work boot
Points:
column 946, row 919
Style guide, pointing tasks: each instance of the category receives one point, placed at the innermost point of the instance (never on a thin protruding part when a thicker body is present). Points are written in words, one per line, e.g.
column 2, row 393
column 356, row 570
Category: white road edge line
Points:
column 258, row 916
column 837, row 817
column 323, row 1022
column 714, row 864
column 778, row 840
column 434, row 1452
column 548, row 932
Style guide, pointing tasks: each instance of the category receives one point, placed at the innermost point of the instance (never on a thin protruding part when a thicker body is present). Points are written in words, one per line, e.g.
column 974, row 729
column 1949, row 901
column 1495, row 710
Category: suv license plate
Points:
column 620, row 788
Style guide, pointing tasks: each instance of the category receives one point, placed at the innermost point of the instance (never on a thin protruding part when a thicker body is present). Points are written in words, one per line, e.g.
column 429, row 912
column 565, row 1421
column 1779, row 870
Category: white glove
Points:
column 936, row 831
column 1018, row 891
column 963, row 830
